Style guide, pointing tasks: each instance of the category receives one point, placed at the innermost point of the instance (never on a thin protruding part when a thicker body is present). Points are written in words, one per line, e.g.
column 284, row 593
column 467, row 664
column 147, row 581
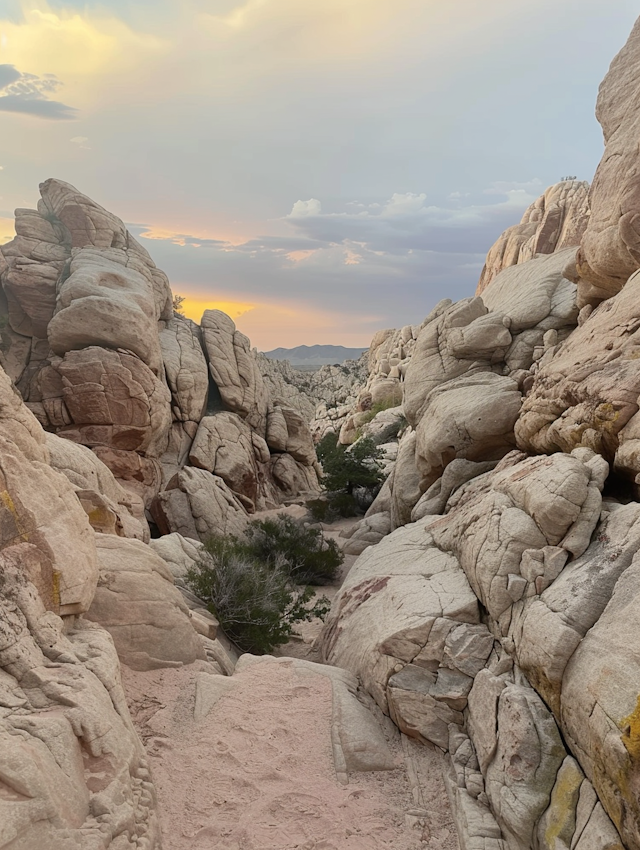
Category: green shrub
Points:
column 304, row 552
column 321, row 510
column 347, row 471
column 256, row 602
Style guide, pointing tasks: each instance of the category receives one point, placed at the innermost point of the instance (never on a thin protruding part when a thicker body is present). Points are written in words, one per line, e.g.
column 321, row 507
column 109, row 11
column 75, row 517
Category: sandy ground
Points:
column 257, row 772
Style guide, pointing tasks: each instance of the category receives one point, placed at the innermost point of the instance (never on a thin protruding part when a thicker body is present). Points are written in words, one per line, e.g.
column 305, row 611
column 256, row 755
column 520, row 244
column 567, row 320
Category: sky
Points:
column 318, row 169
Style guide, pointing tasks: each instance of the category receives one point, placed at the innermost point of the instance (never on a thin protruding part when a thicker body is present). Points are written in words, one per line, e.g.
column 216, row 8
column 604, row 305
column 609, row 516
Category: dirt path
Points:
column 257, row 772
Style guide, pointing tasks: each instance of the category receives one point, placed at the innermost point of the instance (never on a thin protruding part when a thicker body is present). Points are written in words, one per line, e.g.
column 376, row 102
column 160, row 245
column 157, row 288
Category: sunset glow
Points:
column 317, row 169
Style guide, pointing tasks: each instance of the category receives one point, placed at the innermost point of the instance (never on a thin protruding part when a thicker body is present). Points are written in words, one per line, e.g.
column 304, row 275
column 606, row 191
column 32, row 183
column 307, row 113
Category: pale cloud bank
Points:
column 337, row 164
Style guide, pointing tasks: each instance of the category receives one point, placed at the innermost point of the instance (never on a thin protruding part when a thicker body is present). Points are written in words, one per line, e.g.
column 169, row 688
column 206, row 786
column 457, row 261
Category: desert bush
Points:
column 304, row 552
column 256, row 602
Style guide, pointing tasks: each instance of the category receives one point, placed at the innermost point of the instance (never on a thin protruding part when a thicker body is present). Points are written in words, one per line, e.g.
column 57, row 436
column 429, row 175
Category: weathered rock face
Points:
column 227, row 447
column 98, row 397
column 289, row 387
column 197, row 504
column 138, row 605
column 39, row 507
column 101, row 359
column 234, row 369
column 107, row 300
column 74, row 773
column 518, row 540
column 110, row 508
column 586, row 393
column 610, row 248
column 556, row 220
column 185, row 368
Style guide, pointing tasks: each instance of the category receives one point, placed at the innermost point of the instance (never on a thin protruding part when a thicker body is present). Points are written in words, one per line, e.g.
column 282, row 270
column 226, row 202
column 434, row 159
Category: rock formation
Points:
column 73, row 771
column 102, row 360
column 492, row 612
column 496, row 620
column 556, row 220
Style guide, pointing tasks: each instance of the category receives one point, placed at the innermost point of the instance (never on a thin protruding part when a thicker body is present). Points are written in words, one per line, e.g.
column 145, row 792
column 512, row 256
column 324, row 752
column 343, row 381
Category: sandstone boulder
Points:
column 599, row 705
column 39, row 507
column 140, row 608
column 97, row 489
column 234, row 369
column 610, row 248
column 107, row 300
column 226, row 446
column 99, row 397
column 586, row 393
column 470, row 417
column 198, row 504
column 405, row 622
column 185, row 368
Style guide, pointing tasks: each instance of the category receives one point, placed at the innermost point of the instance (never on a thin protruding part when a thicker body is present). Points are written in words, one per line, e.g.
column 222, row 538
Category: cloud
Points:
column 81, row 142
column 301, row 209
column 29, row 94
column 407, row 222
column 356, row 268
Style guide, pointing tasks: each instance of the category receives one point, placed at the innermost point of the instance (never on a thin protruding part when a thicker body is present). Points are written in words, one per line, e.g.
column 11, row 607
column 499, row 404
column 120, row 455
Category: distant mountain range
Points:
column 315, row 355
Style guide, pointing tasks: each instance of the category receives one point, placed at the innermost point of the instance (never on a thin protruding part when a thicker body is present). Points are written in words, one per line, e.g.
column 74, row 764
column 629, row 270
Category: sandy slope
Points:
column 257, row 772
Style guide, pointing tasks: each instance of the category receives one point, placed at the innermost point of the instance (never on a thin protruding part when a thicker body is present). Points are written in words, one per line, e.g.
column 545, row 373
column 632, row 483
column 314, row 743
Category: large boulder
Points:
column 107, row 300
column 100, row 397
column 38, row 506
column 600, row 705
column 226, row 446
column 185, row 368
column 138, row 605
column 74, row 773
column 471, row 417
column 436, row 360
column 406, row 622
column 102, row 497
column 610, row 248
column 197, row 504
column 234, row 369
column 540, row 304
column 586, row 392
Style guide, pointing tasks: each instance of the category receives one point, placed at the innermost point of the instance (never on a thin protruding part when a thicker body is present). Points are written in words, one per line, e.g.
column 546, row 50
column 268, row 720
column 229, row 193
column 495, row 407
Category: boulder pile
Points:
column 492, row 612
column 496, row 618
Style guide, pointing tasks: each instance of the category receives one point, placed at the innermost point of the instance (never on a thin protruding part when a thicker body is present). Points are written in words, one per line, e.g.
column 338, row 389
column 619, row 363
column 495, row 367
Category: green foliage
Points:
column 178, row 304
column 347, row 470
column 256, row 602
column 305, row 554
column 357, row 466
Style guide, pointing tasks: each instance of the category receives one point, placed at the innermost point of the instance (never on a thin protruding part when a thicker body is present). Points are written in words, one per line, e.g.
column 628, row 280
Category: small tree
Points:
column 256, row 602
column 347, row 470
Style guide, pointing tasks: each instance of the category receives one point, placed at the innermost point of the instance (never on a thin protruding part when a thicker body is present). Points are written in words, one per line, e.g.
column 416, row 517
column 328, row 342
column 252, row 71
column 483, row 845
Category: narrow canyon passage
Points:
column 254, row 770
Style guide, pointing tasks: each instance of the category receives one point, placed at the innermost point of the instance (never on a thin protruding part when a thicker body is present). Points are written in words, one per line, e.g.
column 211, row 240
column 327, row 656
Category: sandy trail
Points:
column 257, row 772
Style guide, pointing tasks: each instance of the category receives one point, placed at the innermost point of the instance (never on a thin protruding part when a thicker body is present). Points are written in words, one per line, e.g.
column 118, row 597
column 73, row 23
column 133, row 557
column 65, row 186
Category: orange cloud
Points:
column 194, row 306
column 270, row 325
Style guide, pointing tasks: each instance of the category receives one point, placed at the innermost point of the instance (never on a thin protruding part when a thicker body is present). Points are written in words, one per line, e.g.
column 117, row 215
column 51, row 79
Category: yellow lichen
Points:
column 561, row 815
column 9, row 504
column 631, row 732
